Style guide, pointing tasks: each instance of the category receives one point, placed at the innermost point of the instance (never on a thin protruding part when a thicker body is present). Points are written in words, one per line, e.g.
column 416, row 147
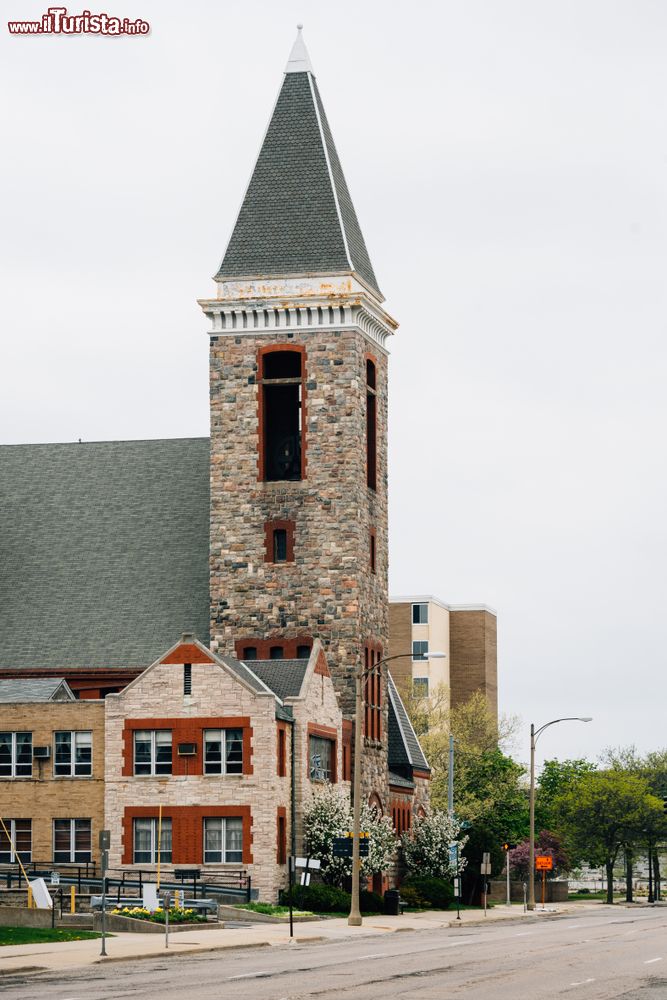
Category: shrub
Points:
column 370, row 902
column 424, row 890
column 317, row 898
column 426, row 847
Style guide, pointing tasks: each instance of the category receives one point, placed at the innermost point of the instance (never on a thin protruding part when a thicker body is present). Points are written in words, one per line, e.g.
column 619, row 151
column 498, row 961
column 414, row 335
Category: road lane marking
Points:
column 523, row 934
column 652, row 960
column 250, row 975
column 362, row 958
column 582, row 982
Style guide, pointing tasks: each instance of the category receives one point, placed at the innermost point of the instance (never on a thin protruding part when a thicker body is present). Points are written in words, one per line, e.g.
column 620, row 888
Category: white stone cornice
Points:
column 264, row 306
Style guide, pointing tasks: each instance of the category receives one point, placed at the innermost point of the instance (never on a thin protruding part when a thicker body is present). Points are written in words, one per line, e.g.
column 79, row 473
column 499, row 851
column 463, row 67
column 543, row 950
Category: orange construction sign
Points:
column 544, row 863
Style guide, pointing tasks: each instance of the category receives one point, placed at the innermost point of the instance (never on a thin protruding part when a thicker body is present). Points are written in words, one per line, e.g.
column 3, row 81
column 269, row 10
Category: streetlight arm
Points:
column 568, row 718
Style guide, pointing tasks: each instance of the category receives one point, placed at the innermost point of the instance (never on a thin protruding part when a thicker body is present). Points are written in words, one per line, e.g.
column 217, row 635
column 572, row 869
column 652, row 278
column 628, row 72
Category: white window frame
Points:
column 11, row 853
column 223, row 735
column 74, row 735
column 165, row 856
column 153, row 763
column 420, row 604
column 223, row 859
column 13, row 763
column 422, row 656
column 72, row 840
column 420, row 687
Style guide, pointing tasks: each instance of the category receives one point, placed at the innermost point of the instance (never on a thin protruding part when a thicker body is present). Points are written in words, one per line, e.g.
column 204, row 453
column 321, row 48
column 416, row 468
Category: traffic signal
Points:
column 510, row 847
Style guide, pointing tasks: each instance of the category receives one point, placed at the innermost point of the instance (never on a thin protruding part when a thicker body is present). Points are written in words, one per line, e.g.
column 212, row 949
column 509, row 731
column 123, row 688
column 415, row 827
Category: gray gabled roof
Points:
column 103, row 551
column 404, row 749
column 33, row 689
column 297, row 215
column 285, row 677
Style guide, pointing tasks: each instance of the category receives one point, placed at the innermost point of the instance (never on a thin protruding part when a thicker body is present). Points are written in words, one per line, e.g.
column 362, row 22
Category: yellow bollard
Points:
column 29, row 898
column 72, row 899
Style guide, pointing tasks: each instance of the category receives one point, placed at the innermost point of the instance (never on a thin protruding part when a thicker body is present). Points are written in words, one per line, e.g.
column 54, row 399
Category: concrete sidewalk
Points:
column 123, row 947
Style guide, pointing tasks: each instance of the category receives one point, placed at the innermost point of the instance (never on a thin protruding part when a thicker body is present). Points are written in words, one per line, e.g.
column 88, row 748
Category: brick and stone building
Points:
column 212, row 595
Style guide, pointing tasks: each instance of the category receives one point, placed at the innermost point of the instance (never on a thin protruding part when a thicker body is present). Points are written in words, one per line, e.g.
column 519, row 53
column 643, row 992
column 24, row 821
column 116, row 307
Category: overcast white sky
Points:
column 508, row 163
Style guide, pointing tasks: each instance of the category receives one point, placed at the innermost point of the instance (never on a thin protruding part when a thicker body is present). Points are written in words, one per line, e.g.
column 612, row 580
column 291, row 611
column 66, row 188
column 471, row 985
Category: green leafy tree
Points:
column 556, row 777
column 426, row 845
column 601, row 812
column 329, row 815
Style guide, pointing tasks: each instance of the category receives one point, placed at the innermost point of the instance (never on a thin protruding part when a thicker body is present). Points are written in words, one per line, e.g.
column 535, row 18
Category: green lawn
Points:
column 36, row 935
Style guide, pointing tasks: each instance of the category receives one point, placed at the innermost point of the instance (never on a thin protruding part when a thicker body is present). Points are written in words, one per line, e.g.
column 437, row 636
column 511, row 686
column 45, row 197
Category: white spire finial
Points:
column 299, row 60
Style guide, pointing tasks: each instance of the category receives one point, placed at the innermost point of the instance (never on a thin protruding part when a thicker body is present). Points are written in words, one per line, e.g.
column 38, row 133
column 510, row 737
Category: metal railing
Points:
column 121, row 881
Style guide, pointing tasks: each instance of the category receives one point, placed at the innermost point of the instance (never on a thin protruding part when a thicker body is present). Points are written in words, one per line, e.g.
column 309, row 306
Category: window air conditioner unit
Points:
column 41, row 753
column 187, row 749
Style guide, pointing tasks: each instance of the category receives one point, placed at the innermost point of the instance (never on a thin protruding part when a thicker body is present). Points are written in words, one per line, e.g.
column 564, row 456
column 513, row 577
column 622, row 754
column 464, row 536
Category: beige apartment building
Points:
column 465, row 633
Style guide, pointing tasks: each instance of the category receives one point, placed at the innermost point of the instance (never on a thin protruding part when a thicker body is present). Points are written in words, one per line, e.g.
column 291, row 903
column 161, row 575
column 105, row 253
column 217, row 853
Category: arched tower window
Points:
column 281, row 426
column 371, row 425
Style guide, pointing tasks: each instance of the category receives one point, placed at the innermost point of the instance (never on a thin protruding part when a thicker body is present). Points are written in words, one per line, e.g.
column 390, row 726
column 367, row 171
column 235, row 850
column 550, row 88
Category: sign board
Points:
column 312, row 863
column 544, row 863
column 305, row 878
column 453, row 855
column 55, row 878
column 486, row 858
column 300, row 862
column 457, row 887
column 342, row 847
column 41, row 894
column 104, row 840
column 485, row 869
column 149, row 896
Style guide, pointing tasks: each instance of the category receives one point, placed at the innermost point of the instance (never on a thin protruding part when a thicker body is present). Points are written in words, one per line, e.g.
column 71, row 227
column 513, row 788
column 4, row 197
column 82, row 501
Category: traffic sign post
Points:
column 544, row 863
column 507, row 848
column 485, row 869
column 104, row 844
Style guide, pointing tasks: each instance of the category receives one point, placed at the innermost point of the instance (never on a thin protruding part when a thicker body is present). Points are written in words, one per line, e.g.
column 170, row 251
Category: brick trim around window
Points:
column 187, row 731
column 187, row 830
column 269, row 528
column 263, row 646
column 281, row 835
column 326, row 733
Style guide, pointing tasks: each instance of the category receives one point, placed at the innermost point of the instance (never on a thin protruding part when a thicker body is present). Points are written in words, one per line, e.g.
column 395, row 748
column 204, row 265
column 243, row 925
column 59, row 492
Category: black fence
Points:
column 130, row 881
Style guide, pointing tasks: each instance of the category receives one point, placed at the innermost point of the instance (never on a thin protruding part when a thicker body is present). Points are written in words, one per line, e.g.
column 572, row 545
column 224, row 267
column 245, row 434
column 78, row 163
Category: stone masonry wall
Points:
column 44, row 797
column 158, row 693
column 329, row 590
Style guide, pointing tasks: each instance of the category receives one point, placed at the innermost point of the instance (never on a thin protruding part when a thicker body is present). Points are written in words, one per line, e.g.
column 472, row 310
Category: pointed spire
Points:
column 297, row 216
column 299, row 60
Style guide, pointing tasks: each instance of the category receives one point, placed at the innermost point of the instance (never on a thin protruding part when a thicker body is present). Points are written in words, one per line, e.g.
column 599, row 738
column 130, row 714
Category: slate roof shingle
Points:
column 19, row 690
column 104, row 554
column 289, row 221
column 404, row 750
column 285, row 677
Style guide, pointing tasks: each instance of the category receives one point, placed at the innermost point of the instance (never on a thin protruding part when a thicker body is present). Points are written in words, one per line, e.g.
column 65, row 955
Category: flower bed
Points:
column 177, row 915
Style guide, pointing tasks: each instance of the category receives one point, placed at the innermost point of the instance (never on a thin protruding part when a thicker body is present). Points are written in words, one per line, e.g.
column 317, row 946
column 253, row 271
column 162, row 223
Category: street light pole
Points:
column 355, row 918
column 534, row 736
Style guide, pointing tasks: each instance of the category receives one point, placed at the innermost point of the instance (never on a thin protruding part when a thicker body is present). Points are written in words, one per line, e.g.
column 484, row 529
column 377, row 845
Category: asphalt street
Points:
column 614, row 954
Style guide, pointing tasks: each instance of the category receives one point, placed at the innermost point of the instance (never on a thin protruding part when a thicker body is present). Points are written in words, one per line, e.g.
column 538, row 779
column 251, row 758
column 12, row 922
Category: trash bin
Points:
column 391, row 903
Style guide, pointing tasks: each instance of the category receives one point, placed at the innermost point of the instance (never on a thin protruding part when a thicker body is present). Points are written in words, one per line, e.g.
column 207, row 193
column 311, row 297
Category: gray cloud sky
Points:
column 508, row 164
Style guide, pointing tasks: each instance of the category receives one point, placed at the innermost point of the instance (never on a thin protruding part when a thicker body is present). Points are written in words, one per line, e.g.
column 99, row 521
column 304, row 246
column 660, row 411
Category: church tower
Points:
column 298, row 395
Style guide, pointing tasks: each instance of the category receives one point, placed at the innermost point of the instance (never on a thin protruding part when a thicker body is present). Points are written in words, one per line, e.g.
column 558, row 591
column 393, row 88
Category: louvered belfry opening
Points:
column 282, row 389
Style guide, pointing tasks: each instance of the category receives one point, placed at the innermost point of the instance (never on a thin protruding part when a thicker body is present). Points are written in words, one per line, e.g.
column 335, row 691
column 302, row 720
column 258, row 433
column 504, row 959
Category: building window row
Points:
column 401, row 818
column 153, row 751
column 72, row 754
column 419, row 650
column 222, row 840
column 223, row 751
column 420, row 614
column 71, row 839
column 274, row 649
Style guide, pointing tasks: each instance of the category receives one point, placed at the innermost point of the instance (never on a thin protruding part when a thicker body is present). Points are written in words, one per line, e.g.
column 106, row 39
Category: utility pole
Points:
column 450, row 779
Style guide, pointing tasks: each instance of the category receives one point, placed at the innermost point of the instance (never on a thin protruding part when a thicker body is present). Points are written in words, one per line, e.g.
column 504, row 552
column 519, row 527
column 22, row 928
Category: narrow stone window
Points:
column 187, row 678
column 280, row 545
column 249, row 653
column 276, row 653
column 303, row 652
column 372, row 550
column 281, row 425
column 371, row 426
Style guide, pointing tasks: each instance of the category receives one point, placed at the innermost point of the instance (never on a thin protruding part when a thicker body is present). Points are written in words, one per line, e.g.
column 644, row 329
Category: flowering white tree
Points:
column 426, row 846
column 329, row 815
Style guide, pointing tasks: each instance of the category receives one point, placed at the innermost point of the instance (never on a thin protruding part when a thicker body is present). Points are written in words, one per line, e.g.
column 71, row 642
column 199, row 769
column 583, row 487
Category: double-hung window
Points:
column 420, row 614
column 152, row 751
column 145, row 831
column 73, row 754
column 419, row 650
column 19, row 842
column 321, row 758
column 223, row 751
column 15, row 755
column 223, row 840
column 72, row 840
